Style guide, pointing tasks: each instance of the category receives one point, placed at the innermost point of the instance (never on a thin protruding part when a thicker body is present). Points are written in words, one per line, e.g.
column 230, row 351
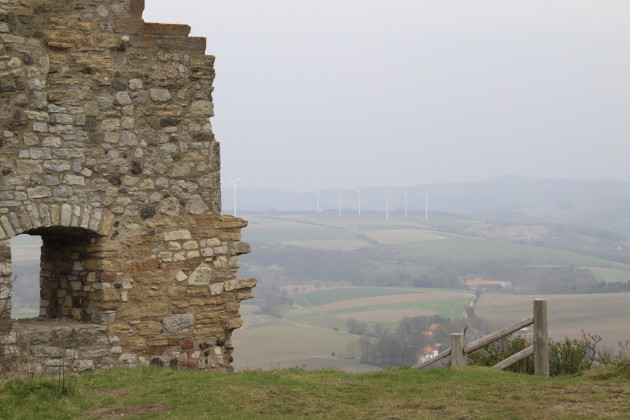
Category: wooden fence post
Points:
column 458, row 357
column 541, row 338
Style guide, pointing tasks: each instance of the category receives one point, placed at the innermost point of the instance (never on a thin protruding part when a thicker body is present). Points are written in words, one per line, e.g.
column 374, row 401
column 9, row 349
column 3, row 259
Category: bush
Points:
column 623, row 368
column 567, row 357
column 495, row 352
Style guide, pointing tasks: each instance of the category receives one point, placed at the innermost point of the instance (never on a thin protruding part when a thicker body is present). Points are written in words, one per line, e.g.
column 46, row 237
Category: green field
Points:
column 375, row 305
column 323, row 297
column 483, row 249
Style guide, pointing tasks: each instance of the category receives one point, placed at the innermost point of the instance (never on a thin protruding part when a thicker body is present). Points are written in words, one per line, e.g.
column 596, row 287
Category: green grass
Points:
column 322, row 297
column 446, row 308
column 470, row 392
column 481, row 249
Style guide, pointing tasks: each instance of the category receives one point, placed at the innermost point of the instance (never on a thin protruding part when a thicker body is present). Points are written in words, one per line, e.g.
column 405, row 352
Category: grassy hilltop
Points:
column 393, row 394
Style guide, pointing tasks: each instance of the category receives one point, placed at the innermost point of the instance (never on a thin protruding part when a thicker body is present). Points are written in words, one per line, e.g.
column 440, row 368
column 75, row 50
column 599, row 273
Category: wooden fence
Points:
column 539, row 349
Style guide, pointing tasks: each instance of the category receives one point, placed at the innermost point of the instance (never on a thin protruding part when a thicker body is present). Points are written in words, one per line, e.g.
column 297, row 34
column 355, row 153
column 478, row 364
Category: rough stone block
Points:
column 166, row 29
column 139, row 310
column 169, row 43
column 178, row 324
column 149, row 328
column 107, row 295
column 201, row 276
column 129, row 26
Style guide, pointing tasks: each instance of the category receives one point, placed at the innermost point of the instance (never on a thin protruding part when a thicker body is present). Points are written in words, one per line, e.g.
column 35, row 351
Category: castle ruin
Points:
column 107, row 153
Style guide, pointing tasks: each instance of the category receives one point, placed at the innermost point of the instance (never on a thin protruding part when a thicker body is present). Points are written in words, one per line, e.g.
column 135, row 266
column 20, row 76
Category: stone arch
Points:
column 31, row 217
column 71, row 264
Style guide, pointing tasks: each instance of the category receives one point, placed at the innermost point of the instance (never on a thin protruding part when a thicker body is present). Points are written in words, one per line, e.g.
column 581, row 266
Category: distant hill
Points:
column 603, row 204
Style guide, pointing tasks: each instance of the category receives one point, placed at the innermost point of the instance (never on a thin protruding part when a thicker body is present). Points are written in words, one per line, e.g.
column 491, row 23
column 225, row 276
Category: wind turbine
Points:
column 339, row 197
column 387, row 196
column 405, row 193
column 426, row 205
column 234, row 182
column 359, row 191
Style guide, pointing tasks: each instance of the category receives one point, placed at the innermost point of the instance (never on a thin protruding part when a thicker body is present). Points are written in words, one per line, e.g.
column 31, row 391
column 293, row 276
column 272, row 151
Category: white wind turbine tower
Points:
column 387, row 196
column 359, row 191
column 339, row 197
column 405, row 193
column 426, row 205
column 234, row 182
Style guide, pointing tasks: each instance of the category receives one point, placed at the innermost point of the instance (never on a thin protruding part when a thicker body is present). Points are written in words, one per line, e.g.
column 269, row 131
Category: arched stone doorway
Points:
column 71, row 266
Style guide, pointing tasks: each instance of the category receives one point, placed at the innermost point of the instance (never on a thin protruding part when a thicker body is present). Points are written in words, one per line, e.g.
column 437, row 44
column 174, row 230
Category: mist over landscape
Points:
column 352, row 94
column 411, row 169
column 597, row 203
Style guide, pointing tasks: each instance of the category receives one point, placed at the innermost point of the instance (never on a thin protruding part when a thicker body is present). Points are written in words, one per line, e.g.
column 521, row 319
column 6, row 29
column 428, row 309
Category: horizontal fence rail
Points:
column 491, row 338
column 517, row 357
column 539, row 349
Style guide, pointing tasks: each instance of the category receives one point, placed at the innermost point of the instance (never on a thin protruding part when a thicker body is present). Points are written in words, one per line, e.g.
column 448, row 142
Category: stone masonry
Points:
column 107, row 153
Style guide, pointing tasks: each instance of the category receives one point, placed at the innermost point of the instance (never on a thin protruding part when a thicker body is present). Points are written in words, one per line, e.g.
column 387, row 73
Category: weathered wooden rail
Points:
column 539, row 349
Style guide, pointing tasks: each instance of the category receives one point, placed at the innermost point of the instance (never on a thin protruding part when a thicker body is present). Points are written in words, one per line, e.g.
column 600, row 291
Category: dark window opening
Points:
column 50, row 277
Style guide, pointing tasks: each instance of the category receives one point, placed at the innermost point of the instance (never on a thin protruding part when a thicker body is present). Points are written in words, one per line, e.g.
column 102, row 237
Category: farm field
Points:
column 605, row 314
column 398, row 236
column 375, row 305
column 315, row 328
column 285, row 345
column 484, row 249
column 346, row 233
column 411, row 237
column 266, row 343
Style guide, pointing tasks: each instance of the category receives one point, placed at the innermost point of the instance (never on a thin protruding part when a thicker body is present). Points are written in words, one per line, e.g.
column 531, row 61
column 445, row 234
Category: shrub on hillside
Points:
column 495, row 352
column 572, row 356
column 567, row 357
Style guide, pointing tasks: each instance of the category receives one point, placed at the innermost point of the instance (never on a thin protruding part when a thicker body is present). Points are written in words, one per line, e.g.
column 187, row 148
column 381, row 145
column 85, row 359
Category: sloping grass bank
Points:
column 470, row 392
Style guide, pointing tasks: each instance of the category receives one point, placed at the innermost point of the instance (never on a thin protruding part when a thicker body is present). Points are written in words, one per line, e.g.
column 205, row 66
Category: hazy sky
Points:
column 352, row 93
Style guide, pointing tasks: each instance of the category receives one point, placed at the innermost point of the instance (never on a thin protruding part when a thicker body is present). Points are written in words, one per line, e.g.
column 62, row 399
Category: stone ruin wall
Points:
column 107, row 152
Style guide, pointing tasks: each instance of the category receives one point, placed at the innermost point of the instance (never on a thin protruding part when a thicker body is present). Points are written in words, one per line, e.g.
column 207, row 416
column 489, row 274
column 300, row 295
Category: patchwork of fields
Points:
column 375, row 305
column 316, row 326
column 324, row 313
column 411, row 237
